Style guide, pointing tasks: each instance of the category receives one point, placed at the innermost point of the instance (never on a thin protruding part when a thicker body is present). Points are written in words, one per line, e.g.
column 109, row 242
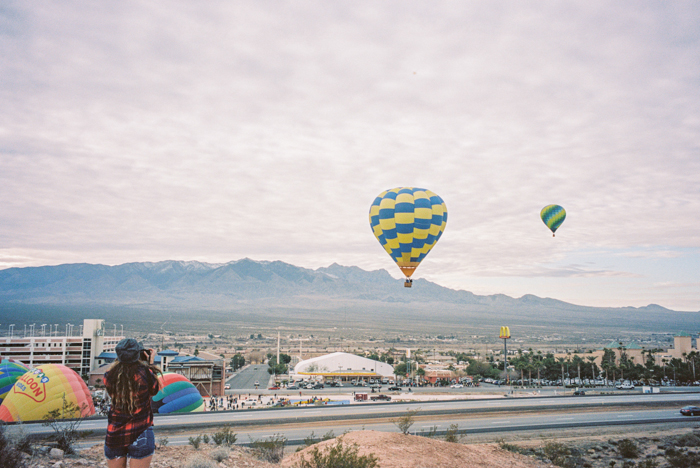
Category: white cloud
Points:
column 216, row 131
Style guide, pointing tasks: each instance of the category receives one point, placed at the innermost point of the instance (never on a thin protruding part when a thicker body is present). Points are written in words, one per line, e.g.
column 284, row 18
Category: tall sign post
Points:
column 504, row 335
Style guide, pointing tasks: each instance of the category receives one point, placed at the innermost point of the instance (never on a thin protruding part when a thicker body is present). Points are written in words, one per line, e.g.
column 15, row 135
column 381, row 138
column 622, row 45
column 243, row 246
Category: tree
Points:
column 237, row 361
column 401, row 369
column 285, row 358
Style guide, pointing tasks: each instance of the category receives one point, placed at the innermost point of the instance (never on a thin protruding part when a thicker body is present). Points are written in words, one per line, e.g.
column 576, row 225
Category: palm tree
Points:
column 592, row 360
column 562, row 361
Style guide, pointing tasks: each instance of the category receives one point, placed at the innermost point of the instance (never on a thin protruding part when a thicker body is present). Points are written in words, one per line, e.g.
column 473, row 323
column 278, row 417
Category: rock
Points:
column 58, row 464
column 56, row 454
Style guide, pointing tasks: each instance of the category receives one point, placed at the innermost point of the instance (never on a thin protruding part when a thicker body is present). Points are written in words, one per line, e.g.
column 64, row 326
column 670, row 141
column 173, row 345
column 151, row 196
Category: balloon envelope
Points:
column 176, row 395
column 408, row 222
column 42, row 390
column 553, row 216
column 10, row 371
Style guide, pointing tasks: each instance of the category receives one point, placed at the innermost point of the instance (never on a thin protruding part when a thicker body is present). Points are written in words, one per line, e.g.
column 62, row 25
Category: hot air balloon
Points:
column 10, row 371
column 176, row 395
column 44, row 389
column 408, row 221
column 553, row 216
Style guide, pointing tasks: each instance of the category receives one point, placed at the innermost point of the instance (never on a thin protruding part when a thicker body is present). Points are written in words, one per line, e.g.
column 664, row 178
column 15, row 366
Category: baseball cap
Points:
column 128, row 350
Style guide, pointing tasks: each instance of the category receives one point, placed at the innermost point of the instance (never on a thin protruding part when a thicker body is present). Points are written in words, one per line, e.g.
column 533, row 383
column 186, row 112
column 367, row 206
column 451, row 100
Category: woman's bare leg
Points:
column 117, row 463
column 140, row 463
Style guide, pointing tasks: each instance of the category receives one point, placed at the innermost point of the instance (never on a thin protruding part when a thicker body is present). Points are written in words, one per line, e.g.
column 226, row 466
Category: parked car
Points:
column 690, row 410
column 292, row 387
column 579, row 393
column 257, row 384
column 275, row 387
column 227, row 387
column 395, row 389
column 457, row 385
column 380, row 397
column 317, row 386
column 625, row 386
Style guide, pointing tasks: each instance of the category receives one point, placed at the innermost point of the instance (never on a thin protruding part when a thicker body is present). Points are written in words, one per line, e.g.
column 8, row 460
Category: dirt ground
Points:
column 656, row 446
column 395, row 450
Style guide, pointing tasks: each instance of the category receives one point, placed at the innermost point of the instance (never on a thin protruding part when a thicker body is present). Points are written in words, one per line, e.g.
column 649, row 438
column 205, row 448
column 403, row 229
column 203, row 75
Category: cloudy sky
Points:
column 214, row 131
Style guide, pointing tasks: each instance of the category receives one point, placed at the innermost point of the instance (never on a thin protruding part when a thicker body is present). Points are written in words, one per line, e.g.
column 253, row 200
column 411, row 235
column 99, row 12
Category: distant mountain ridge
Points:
column 264, row 286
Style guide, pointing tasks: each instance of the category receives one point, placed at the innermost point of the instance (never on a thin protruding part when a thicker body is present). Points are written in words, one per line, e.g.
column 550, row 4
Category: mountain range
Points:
column 260, row 290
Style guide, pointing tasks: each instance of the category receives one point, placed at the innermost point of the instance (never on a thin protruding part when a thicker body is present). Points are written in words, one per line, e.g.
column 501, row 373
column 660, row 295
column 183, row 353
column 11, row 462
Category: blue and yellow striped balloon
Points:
column 408, row 221
column 553, row 216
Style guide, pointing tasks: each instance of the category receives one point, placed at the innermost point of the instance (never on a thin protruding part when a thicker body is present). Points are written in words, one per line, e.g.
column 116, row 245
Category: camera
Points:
column 145, row 355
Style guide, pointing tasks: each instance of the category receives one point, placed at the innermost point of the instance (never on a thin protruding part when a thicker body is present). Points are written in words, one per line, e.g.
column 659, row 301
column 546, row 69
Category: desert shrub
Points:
column 224, row 437
column 678, row 459
column 195, row 441
column 405, row 422
column 162, row 442
column 270, row 449
column 309, row 441
column 452, row 433
column 328, row 435
column 628, row 448
column 509, row 447
column 66, row 432
column 220, row 454
column 205, row 438
column 432, row 432
column 687, row 440
column 9, row 454
column 338, row 456
column 648, row 464
column 20, row 439
column 559, row 454
column 199, row 461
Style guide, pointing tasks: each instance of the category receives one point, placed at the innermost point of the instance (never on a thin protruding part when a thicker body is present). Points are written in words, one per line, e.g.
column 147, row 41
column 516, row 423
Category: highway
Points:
column 245, row 379
column 472, row 415
column 295, row 434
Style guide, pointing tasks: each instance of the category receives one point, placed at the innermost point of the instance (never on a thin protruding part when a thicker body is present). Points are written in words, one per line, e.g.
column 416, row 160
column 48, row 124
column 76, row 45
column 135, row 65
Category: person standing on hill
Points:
column 131, row 382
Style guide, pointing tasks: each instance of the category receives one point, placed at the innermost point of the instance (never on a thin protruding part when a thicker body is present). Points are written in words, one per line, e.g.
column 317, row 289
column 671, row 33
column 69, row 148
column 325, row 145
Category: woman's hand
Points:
column 151, row 355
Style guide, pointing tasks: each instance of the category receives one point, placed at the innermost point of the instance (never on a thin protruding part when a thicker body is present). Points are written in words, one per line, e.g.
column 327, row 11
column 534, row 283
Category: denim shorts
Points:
column 142, row 447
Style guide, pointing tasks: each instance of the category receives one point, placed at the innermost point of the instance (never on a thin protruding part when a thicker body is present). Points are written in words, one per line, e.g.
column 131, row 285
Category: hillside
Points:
column 252, row 291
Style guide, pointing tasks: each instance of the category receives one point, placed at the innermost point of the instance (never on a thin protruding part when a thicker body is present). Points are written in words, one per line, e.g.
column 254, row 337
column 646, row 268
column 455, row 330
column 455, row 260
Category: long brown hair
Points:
column 123, row 384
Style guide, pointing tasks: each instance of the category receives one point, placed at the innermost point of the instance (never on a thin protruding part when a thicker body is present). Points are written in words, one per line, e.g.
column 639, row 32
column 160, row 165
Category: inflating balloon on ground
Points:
column 176, row 395
column 408, row 222
column 45, row 389
column 10, row 371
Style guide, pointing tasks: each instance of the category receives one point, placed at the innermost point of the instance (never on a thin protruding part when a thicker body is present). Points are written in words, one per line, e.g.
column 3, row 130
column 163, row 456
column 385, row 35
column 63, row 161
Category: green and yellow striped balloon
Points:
column 553, row 216
column 408, row 221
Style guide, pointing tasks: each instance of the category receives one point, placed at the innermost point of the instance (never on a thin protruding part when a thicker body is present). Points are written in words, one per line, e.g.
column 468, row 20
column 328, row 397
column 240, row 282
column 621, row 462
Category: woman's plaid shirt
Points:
column 124, row 428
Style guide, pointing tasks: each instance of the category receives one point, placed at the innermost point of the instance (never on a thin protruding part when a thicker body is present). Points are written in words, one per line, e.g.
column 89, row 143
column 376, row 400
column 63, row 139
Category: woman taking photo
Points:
column 131, row 382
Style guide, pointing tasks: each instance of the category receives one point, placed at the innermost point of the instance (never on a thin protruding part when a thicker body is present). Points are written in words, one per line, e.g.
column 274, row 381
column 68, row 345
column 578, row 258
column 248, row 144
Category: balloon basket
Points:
column 408, row 283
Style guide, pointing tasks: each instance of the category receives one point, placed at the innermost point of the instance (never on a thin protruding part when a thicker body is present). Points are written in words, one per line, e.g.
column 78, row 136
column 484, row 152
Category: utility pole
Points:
column 504, row 335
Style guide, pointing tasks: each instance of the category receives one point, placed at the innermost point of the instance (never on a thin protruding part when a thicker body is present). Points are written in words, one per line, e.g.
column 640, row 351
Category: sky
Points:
column 138, row 131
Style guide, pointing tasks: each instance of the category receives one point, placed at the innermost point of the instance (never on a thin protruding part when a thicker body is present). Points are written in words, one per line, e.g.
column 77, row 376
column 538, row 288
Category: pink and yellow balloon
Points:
column 44, row 389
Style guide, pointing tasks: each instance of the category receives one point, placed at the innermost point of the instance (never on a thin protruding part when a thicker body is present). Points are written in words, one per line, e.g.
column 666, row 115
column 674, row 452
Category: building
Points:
column 79, row 352
column 341, row 366
column 206, row 371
